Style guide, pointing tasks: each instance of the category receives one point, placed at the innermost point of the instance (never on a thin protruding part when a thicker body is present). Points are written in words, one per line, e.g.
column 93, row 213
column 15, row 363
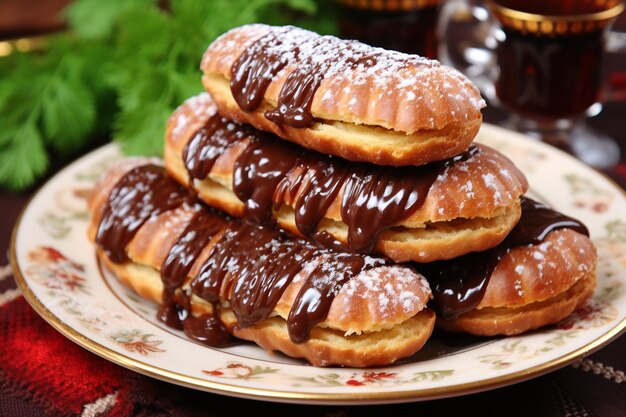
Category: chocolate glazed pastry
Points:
column 373, row 198
column 538, row 275
column 342, row 97
column 221, row 280
column 435, row 211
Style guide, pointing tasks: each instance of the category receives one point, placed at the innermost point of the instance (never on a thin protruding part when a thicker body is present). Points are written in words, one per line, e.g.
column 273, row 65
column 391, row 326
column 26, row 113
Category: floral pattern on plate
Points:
column 58, row 273
column 63, row 277
column 238, row 370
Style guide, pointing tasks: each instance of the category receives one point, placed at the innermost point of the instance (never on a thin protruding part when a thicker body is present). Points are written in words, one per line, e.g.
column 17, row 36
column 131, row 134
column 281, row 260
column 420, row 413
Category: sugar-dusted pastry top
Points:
column 142, row 221
column 539, row 274
column 515, row 320
column 324, row 93
column 473, row 197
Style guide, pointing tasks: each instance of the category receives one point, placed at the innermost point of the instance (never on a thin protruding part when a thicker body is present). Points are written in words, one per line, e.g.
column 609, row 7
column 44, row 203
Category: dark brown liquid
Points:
column 459, row 284
column 209, row 330
column 413, row 32
column 141, row 194
column 320, row 182
column 250, row 263
column 182, row 255
column 553, row 77
column 296, row 95
column 259, row 169
column 253, row 71
column 270, row 171
column 169, row 311
column 319, row 290
column 201, row 152
column 375, row 200
column 255, row 264
column 314, row 57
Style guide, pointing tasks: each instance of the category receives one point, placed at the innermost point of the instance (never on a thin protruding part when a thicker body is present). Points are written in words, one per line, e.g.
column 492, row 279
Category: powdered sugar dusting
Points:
column 386, row 290
column 356, row 66
column 468, row 187
column 201, row 106
column 517, row 284
column 196, row 109
column 490, row 181
column 181, row 123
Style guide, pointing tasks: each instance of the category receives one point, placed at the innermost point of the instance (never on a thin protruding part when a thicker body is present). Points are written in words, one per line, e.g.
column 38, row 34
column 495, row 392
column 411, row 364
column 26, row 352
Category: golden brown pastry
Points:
column 342, row 97
column 539, row 275
column 438, row 211
column 218, row 278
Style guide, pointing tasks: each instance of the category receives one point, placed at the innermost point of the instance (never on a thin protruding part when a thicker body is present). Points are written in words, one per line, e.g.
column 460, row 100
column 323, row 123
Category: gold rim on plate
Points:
column 352, row 398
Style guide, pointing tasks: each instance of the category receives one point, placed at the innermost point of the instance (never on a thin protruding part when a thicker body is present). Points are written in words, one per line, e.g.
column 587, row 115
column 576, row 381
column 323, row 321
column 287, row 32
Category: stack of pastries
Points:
column 326, row 199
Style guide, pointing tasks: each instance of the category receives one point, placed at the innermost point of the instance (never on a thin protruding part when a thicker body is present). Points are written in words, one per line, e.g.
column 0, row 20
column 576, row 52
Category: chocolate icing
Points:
column 253, row 71
column 209, row 142
column 459, row 284
column 270, row 172
column 319, row 290
column 257, row 172
column 296, row 95
column 139, row 195
column 255, row 264
column 252, row 263
column 182, row 255
column 314, row 58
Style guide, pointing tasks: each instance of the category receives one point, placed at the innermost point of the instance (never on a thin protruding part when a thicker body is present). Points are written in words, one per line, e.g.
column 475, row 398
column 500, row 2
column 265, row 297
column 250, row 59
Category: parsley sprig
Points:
column 118, row 72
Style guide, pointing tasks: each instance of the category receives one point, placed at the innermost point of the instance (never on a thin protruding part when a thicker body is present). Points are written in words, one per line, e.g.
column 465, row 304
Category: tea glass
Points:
column 403, row 25
column 542, row 62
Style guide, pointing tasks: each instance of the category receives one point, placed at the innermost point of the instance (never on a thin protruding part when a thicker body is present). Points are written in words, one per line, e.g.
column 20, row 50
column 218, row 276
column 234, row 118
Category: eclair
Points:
column 223, row 281
column 436, row 211
column 342, row 97
column 541, row 273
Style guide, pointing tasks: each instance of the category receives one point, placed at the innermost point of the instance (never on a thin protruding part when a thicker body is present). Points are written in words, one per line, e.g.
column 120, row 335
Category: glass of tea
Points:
column 403, row 25
column 542, row 62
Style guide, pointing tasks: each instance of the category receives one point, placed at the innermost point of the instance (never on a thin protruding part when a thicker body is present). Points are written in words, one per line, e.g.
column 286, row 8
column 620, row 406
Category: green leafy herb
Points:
column 118, row 72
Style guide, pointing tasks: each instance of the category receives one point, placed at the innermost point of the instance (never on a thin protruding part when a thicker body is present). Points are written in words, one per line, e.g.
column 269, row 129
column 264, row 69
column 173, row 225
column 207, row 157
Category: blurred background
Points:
column 77, row 74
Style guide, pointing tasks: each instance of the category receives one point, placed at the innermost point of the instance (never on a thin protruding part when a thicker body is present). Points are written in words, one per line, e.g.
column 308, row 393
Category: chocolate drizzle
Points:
column 253, row 264
column 144, row 192
column 459, row 284
column 209, row 330
column 315, row 58
column 182, row 255
column 259, row 169
column 320, row 290
column 319, row 183
column 270, row 173
column 375, row 200
column 296, row 95
column 255, row 68
column 256, row 302
column 209, row 142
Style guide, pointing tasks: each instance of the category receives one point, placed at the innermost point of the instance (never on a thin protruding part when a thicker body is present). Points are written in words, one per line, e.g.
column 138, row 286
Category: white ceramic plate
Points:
column 56, row 269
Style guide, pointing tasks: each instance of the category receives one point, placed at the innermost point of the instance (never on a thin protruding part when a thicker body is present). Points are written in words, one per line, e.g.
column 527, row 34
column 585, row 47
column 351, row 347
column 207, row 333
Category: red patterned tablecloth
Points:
column 44, row 374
